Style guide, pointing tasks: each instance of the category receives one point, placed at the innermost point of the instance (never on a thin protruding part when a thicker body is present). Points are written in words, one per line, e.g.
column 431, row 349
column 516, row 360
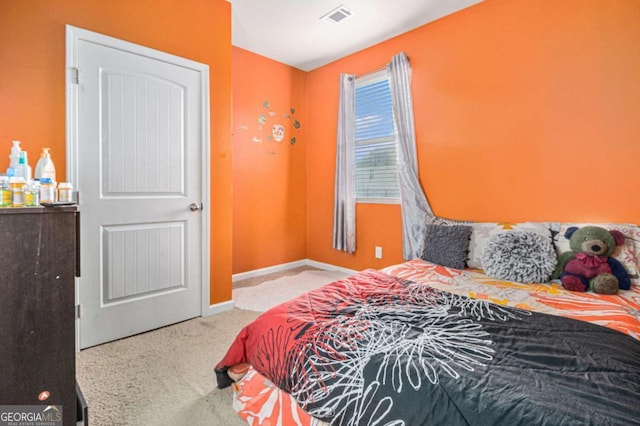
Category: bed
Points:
column 422, row 343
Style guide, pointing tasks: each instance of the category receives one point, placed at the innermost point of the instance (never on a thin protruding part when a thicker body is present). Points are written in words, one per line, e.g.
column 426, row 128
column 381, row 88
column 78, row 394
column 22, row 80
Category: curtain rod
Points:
column 374, row 71
column 369, row 73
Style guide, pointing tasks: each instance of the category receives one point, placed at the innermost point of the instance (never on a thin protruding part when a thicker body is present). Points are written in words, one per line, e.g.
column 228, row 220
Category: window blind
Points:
column 375, row 139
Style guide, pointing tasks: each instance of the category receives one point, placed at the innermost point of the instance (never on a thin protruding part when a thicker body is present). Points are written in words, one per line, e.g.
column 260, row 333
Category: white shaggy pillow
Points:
column 482, row 231
column 525, row 257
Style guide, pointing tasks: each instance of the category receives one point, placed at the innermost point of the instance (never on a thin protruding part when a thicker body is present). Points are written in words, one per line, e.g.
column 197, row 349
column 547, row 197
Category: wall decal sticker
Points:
column 274, row 132
column 278, row 132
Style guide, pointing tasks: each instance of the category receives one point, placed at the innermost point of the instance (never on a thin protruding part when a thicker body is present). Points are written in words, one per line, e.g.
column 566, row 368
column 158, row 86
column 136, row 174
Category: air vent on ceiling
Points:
column 337, row 15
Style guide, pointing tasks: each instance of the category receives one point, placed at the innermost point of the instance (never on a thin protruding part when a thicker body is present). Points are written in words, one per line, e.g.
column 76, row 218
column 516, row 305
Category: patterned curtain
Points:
column 344, row 208
column 415, row 207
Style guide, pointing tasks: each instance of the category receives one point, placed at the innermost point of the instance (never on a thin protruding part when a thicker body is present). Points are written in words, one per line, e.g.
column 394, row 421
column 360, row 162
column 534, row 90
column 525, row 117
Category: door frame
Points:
column 72, row 86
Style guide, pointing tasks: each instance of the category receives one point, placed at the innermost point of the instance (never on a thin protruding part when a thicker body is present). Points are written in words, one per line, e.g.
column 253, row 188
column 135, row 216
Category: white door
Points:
column 141, row 131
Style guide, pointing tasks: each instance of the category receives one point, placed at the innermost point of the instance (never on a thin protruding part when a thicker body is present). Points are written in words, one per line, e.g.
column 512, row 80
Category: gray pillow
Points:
column 525, row 257
column 446, row 245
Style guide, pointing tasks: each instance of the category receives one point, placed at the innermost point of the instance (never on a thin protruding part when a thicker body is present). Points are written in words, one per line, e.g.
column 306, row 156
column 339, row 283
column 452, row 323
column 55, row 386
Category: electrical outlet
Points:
column 378, row 252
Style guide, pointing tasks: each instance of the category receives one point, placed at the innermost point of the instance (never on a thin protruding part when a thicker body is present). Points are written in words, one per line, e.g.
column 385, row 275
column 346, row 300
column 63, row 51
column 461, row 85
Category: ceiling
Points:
column 291, row 31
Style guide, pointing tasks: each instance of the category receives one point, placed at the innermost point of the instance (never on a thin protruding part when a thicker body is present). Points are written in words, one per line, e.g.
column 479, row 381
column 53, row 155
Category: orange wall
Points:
column 269, row 179
column 32, row 82
column 515, row 102
column 524, row 109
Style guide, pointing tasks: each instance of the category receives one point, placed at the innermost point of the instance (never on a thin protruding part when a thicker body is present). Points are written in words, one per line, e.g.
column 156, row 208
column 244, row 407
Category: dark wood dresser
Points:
column 38, row 266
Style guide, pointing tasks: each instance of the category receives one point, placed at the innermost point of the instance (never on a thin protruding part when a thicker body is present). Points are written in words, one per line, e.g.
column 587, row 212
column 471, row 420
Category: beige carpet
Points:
column 164, row 377
column 271, row 293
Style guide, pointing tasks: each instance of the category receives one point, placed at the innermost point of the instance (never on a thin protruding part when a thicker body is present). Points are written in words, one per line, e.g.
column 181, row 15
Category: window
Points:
column 375, row 141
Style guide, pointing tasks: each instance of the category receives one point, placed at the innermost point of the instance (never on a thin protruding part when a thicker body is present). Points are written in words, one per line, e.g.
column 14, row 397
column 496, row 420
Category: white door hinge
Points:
column 75, row 75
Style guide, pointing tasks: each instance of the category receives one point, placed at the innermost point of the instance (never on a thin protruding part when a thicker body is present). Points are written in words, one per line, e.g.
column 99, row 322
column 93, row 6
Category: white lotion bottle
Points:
column 45, row 167
column 14, row 158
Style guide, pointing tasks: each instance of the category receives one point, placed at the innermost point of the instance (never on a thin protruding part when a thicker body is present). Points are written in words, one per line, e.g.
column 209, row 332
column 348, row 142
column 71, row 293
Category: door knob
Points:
column 194, row 207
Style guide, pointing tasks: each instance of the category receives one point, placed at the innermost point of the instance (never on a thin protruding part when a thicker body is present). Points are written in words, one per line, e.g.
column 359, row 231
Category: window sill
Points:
column 378, row 200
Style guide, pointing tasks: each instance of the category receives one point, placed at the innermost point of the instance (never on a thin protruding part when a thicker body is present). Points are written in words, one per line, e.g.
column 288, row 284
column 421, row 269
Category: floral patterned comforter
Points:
column 620, row 312
column 419, row 343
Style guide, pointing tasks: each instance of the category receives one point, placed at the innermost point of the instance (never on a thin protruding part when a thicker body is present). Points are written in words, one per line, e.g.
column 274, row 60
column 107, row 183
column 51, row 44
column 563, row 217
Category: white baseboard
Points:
column 290, row 265
column 220, row 307
column 329, row 267
column 228, row 305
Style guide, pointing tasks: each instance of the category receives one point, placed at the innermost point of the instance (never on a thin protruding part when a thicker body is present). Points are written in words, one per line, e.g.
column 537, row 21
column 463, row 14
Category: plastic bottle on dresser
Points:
column 47, row 190
column 14, row 158
column 65, row 192
column 24, row 169
column 17, row 191
column 32, row 194
column 5, row 192
column 45, row 167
